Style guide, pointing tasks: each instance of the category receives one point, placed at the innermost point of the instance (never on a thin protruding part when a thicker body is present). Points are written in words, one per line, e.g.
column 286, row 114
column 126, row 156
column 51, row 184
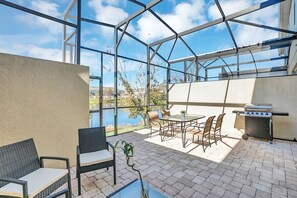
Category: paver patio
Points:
column 233, row 168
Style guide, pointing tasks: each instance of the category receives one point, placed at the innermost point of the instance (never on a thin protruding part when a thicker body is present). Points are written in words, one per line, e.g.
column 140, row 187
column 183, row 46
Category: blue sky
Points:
column 29, row 35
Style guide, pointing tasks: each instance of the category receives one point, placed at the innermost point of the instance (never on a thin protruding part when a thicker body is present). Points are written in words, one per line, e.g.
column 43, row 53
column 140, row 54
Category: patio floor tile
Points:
column 232, row 168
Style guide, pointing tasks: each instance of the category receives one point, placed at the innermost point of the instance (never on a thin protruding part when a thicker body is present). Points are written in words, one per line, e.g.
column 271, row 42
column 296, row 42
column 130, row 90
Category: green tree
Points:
column 136, row 91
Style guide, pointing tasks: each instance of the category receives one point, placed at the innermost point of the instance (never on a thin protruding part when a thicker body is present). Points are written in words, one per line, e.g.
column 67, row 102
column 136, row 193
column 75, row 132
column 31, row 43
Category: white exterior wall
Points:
column 213, row 98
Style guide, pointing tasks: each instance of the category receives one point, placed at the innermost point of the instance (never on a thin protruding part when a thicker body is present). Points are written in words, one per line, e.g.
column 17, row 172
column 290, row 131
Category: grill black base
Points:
column 258, row 127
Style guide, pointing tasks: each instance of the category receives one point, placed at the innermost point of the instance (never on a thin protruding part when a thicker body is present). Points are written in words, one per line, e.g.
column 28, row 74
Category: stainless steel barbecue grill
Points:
column 258, row 120
column 258, row 110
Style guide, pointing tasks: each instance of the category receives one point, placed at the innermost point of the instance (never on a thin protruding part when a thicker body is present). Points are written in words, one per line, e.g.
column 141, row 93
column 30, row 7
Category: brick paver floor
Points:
column 232, row 168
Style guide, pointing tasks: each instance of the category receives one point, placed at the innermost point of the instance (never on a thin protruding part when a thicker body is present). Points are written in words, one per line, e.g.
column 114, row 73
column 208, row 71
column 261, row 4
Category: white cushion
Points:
column 37, row 181
column 96, row 157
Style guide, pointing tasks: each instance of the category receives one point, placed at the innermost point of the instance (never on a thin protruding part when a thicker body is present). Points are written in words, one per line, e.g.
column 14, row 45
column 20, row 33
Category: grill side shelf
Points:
column 274, row 113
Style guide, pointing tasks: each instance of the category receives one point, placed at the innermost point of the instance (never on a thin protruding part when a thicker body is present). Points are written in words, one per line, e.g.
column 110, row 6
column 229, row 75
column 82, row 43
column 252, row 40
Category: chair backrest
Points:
column 18, row 159
column 92, row 139
column 208, row 125
column 165, row 112
column 219, row 122
column 153, row 116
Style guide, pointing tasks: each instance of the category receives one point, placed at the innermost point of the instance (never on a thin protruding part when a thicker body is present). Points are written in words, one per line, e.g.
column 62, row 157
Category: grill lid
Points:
column 258, row 107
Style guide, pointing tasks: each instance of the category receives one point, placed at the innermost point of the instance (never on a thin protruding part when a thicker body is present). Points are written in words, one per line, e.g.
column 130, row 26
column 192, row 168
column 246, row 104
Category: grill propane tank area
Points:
column 258, row 121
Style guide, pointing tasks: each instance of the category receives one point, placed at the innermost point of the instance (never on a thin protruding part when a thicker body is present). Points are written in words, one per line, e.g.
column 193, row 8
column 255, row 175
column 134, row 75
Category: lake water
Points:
column 108, row 118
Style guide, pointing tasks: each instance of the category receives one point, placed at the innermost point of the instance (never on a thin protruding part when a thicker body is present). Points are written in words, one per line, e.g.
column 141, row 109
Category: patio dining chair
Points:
column 153, row 117
column 203, row 132
column 93, row 152
column 218, row 126
column 166, row 112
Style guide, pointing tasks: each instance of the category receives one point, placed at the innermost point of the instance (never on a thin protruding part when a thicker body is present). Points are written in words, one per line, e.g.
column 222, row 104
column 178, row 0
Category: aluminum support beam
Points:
column 211, row 63
column 197, row 71
column 172, row 48
column 148, row 80
column 120, row 29
column 237, row 56
column 190, row 65
column 226, row 23
column 218, row 21
column 69, row 8
column 78, row 32
column 264, row 26
column 39, row 14
column 101, row 91
column 167, row 84
column 227, row 66
column 139, row 12
column 185, row 71
column 97, row 22
column 115, row 81
column 173, row 31
column 153, row 55
column 249, row 62
column 123, row 33
column 265, row 45
column 254, row 62
column 137, row 2
column 119, row 56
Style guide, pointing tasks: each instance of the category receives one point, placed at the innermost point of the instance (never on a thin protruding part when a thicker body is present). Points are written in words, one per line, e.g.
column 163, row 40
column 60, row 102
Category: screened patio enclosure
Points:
column 188, row 55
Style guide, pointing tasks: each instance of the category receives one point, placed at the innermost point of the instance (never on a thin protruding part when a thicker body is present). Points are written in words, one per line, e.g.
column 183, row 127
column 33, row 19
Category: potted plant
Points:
column 183, row 113
column 128, row 149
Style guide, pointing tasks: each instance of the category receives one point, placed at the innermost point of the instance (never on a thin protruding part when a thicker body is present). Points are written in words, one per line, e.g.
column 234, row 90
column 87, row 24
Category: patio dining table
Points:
column 182, row 120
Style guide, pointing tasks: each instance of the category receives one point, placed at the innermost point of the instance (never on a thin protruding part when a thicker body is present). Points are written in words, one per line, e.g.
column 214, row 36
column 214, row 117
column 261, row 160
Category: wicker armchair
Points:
column 93, row 152
column 22, row 173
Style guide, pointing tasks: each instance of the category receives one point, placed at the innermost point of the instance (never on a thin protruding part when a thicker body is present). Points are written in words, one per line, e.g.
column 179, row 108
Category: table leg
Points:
column 183, row 134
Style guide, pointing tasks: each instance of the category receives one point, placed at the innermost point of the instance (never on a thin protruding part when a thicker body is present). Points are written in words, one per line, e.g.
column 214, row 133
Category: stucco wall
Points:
column 293, row 58
column 213, row 98
column 45, row 100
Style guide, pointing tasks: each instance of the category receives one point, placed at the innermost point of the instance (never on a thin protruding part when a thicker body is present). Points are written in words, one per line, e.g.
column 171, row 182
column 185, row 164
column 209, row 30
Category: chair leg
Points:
column 203, row 144
column 69, row 188
column 151, row 131
column 209, row 140
column 214, row 136
column 107, row 168
column 79, row 184
column 114, row 175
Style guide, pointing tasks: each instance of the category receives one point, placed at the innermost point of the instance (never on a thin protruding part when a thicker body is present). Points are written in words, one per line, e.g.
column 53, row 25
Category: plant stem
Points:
column 132, row 166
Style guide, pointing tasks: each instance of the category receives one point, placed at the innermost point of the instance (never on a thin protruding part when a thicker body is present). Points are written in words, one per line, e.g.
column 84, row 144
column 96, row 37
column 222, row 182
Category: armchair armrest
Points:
column 62, row 192
column 156, row 122
column 55, row 158
column 109, row 144
column 17, row 181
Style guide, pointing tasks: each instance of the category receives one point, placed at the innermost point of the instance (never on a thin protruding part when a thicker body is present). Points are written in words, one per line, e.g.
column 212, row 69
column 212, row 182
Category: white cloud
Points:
column 245, row 34
column 34, row 51
column 185, row 15
column 39, row 22
column 248, row 35
column 106, row 11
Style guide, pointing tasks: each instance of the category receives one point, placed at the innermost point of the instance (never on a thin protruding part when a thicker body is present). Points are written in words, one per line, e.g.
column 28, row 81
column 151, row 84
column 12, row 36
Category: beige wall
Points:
column 45, row 100
column 293, row 58
column 213, row 98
